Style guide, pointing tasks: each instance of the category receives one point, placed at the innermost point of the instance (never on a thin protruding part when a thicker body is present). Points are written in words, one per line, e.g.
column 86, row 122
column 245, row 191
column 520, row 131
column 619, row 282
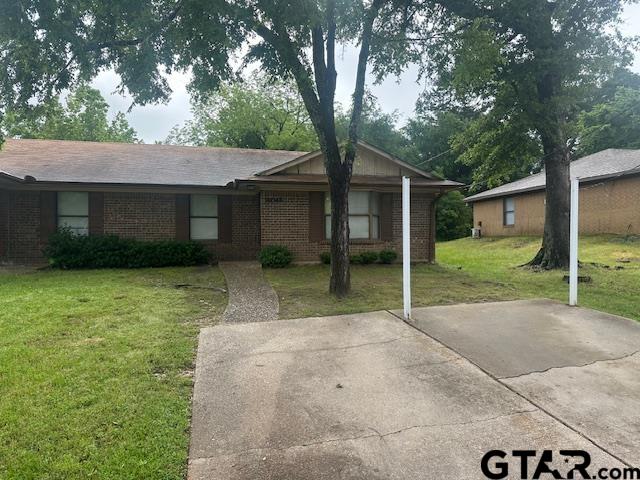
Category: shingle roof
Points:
column 601, row 165
column 121, row 163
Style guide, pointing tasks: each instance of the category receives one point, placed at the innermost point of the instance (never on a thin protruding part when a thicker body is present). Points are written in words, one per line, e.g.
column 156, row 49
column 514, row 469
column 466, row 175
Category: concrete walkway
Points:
column 369, row 397
column 251, row 298
column 579, row 365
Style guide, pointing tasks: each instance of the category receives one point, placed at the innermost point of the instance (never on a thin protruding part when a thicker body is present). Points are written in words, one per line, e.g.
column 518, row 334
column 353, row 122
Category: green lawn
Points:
column 96, row 371
column 96, row 366
column 471, row 271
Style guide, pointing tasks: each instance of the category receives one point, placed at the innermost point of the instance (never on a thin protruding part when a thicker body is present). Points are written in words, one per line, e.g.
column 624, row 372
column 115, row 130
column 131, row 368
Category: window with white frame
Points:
column 73, row 212
column 509, row 212
column 364, row 215
column 204, row 217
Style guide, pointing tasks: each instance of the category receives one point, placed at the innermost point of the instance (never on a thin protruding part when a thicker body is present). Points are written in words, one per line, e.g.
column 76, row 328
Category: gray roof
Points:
column 599, row 166
column 122, row 163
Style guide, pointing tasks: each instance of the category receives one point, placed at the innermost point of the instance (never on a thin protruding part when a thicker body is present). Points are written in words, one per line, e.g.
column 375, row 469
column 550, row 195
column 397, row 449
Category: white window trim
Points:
column 216, row 217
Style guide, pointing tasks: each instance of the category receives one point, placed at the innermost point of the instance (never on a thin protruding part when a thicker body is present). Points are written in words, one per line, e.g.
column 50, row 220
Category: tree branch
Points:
column 97, row 46
column 358, row 93
column 301, row 74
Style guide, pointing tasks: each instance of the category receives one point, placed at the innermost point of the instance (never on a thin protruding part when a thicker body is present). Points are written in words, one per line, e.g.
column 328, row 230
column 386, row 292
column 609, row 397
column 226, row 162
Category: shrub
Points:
column 325, row 257
column 369, row 257
column 388, row 256
column 275, row 256
column 67, row 250
column 454, row 218
column 364, row 258
column 356, row 259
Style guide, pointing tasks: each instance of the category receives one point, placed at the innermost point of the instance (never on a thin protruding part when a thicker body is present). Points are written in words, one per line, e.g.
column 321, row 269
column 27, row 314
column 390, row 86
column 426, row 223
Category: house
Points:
column 609, row 198
column 234, row 201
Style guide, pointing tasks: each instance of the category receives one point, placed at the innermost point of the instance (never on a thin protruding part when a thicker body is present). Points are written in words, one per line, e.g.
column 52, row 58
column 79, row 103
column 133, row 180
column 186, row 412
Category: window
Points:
column 509, row 212
column 73, row 212
column 364, row 215
column 204, row 217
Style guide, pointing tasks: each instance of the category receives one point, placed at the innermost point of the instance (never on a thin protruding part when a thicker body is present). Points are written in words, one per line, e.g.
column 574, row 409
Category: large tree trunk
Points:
column 551, row 125
column 555, row 242
column 340, row 282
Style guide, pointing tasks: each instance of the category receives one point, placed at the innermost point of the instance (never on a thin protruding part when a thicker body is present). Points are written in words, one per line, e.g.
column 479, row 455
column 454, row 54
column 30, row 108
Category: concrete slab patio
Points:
column 579, row 365
column 360, row 397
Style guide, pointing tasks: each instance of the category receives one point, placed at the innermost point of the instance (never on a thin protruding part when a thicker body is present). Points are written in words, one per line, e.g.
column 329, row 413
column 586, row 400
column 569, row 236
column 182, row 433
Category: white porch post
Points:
column 573, row 243
column 406, row 247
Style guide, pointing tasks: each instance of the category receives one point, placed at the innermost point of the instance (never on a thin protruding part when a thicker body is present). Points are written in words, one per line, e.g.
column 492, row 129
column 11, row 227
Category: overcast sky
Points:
column 153, row 122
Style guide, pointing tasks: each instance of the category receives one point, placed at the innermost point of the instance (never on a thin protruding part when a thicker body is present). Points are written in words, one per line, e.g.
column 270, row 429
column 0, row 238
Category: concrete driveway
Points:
column 370, row 397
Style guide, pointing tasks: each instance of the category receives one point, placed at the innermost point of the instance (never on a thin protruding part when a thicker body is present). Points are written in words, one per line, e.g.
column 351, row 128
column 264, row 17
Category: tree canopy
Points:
column 254, row 114
column 614, row 124
column 83, row 116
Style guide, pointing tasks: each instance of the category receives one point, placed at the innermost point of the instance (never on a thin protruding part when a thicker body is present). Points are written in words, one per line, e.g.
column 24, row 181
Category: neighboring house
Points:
column 609, row 198
column 234, row 201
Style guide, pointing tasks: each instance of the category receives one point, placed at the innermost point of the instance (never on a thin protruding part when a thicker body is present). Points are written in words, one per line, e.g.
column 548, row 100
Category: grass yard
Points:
column 472, row 271
column 96, row 371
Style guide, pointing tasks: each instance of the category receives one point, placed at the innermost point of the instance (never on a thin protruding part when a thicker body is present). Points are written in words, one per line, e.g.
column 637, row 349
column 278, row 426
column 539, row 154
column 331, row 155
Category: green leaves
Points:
column 260, row 114
column 615, row 124
column 83, row 117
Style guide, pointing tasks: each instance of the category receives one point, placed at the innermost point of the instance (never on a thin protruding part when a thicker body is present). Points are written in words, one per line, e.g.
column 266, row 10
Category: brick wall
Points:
column 4, row 223
column 245, row 230
column 284, row 221
column 610, row 207
column 145, row 216
column 152, row 216
column 273, row 217
column 21, row 228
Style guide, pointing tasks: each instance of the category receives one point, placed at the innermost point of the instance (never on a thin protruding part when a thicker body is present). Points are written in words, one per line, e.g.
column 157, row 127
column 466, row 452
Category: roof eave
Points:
column 481, row 196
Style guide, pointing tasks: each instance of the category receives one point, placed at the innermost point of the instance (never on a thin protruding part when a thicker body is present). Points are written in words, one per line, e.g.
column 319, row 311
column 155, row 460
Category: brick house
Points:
column 609, row 198
column 234, row 201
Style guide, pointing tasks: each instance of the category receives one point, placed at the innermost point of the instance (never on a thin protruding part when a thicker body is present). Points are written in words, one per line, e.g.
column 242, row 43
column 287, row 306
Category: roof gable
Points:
column 370, row 161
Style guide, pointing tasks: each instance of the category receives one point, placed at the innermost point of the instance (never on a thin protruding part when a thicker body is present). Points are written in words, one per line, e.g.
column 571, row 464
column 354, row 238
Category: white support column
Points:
column 406, row 246
column 573, row 242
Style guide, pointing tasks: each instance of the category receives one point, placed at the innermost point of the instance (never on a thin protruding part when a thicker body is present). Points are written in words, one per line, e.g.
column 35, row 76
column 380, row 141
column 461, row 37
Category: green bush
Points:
column 454, row 218
column 364, row 258
column 325, row 257
column 388, row 256
column 275, row 256
column 67, row 250
column 369, row 257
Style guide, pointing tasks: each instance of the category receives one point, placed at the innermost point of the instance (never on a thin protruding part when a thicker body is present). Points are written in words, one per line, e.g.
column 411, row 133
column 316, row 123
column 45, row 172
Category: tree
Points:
column 530, row 63
column 376, row 127
column 431, row 136
column 497, row 149
column 253, row 114
column 82, row 117
column 615, row 124
column 46, row 49
column 454, row 217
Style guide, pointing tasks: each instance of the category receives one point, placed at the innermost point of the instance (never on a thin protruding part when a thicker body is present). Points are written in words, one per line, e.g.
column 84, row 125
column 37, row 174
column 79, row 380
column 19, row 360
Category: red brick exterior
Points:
column 21, row 229
column 285, row 221
column 263, row 218
column 145, row 216
column 245, row 230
